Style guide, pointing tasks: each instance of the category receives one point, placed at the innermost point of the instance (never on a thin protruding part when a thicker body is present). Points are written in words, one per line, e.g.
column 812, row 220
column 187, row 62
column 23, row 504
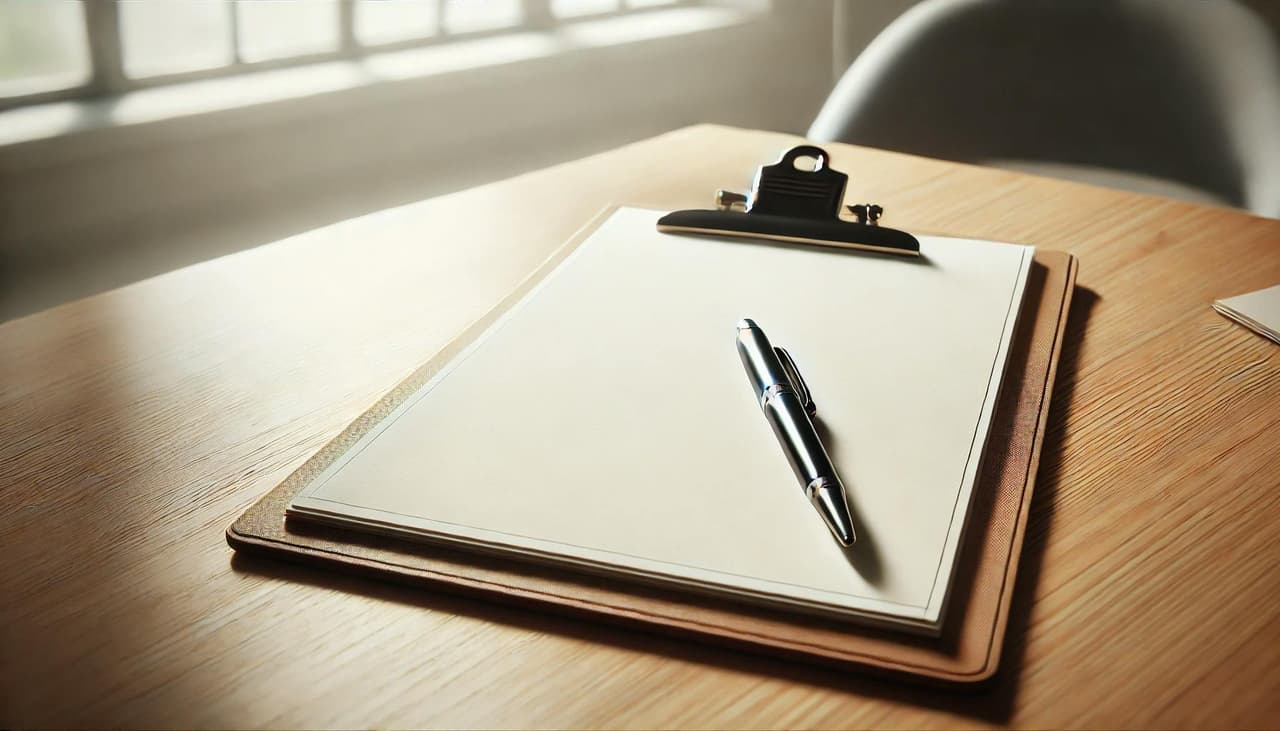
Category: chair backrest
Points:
column 1185, row 91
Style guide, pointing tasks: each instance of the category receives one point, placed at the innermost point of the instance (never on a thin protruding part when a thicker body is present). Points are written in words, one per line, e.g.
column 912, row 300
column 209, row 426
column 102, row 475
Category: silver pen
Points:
column 788, row 406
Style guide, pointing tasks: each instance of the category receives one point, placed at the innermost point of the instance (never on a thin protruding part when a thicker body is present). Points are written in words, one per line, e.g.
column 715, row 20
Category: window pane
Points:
column 280, row 29
column 464, row 16
column 386, row 21
column 649, row 3
column 168, row 37
column 572, row 8
column 43, row 46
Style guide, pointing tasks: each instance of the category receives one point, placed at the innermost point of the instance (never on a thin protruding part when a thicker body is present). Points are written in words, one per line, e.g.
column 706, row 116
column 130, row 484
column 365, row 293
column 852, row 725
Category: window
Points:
column 159, row 38
column 43, row 46
column 463, row 16
column 574, row 8
column 58, row 49
column 388, row 21
column 267, row 30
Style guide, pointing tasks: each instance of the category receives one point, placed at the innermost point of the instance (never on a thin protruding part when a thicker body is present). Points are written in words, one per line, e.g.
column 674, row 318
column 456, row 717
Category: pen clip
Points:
column 797, row 381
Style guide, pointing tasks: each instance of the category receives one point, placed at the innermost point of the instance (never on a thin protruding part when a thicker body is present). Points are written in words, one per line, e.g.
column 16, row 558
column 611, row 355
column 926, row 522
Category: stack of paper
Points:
column 1259, row 311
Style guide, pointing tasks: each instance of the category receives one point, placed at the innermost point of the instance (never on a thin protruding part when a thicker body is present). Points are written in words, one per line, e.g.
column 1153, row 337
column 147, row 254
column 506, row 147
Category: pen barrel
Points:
column 764, row 370
column 798, row 436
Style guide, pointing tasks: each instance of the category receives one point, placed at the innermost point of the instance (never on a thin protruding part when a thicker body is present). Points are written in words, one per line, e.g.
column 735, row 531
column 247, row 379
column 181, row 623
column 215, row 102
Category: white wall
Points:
column 111, row 204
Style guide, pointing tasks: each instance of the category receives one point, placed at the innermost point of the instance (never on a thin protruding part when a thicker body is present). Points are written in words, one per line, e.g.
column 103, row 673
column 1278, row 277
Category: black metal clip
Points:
column 795, row 203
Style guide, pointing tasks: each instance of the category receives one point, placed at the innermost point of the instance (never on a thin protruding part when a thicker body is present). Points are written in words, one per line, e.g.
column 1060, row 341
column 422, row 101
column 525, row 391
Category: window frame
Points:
column 106, row 61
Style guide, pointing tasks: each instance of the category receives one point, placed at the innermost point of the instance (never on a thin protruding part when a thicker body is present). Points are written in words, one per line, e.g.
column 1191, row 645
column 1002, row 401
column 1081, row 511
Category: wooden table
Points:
column 139, row 423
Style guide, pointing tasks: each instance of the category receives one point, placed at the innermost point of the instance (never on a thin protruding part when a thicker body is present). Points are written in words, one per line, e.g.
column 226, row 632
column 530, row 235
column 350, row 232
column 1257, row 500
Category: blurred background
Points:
column 139, row 136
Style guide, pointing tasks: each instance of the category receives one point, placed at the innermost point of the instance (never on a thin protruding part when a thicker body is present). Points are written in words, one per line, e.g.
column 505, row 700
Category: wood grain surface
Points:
column 137, row 424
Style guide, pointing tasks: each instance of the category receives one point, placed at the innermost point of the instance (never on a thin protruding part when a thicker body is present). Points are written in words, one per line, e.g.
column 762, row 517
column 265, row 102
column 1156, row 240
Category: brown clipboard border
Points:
column 968, row 650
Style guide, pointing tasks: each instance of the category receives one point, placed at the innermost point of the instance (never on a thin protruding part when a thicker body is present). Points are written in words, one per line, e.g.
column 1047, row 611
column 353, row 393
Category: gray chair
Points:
column 1167, row 96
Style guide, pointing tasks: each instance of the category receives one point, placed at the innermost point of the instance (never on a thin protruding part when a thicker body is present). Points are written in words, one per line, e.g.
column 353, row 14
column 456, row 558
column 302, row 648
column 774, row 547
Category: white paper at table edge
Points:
column 1244, row 309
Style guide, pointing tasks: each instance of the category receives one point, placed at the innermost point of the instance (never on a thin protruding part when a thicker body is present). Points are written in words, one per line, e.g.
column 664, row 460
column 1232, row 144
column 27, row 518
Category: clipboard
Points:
column 968, row 650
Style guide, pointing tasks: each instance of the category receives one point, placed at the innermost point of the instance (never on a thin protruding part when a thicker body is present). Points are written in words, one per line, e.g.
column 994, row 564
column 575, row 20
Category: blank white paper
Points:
column 606, row 421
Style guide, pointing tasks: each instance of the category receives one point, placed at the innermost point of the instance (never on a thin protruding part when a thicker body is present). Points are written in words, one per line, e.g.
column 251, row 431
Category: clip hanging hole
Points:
column 808, row 163
column 806, row 158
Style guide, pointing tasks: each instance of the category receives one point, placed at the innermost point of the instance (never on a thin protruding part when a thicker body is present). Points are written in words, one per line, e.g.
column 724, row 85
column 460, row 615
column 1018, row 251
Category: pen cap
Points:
column 764, row 369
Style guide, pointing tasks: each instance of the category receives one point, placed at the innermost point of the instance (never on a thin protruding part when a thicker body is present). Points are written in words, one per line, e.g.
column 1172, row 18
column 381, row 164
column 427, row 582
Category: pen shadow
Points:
column 863, row 555
column 991, row 701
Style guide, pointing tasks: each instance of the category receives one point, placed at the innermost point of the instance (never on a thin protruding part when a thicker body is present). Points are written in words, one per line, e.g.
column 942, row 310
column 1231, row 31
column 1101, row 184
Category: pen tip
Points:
column 746, row 323
column 835, row 513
